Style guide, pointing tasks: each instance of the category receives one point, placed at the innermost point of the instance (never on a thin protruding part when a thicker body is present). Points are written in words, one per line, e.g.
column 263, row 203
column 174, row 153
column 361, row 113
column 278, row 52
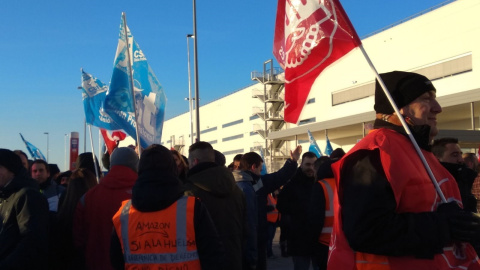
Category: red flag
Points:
column 112, row 138
column 309, row 36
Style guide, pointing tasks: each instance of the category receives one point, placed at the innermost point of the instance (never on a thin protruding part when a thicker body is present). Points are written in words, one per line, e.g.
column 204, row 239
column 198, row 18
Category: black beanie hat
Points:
column 404, row 87
column 11, row 161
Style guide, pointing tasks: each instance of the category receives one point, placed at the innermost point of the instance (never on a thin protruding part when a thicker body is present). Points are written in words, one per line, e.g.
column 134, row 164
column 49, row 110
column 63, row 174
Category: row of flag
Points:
column 134, row 102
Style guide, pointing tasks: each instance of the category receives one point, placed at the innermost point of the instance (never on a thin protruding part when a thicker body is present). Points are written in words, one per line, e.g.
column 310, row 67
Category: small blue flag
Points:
column 328, row 148
column 34, row 151
column 313, row 145
column 149, row 94
column 93, row 95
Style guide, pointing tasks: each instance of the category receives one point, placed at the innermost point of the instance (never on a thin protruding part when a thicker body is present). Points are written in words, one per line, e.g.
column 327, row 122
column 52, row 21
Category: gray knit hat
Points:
column 124, row 156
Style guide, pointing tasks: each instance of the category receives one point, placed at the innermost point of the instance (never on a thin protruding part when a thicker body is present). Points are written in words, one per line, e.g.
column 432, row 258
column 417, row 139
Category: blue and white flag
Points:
column 328, row 148
column 149, row 95
column 313, row 145
column 34, row 151
column 93, row 96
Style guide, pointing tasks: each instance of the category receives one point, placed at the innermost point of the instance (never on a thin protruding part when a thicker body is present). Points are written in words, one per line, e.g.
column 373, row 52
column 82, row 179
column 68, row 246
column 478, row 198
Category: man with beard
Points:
column 387, row 212
column 294, row 200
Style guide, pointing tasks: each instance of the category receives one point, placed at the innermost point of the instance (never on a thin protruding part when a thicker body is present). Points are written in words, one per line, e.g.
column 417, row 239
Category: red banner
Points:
column 74, row 140
column 309, row 36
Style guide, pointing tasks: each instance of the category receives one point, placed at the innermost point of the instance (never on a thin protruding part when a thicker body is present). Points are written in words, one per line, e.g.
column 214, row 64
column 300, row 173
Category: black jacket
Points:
column 23, row 225
column 216, row 188
column 294, row 200
column 155, row 190
column 464, row 177
column 370, row 221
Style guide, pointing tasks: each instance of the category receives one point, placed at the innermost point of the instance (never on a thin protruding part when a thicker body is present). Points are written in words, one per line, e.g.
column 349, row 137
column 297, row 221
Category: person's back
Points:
column 93, row 217
column 24, row 216
column 216, row 188
column 164, row 228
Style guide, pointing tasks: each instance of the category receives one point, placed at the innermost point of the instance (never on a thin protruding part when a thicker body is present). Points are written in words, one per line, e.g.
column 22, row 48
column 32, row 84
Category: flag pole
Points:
column 130, row 75
column 93, row 154
column 404, row 124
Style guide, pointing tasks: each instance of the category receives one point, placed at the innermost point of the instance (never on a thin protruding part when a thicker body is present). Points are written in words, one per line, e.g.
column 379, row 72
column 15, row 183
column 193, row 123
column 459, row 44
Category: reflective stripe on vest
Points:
column 328, row 186
column 183, row 254
column 365, row 261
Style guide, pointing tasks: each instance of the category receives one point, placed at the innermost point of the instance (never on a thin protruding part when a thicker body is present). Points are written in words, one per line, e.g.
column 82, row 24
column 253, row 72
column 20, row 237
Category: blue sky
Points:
column 45, row 43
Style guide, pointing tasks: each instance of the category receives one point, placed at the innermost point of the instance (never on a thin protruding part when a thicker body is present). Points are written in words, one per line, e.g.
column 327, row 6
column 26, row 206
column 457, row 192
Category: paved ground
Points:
column 279, row 263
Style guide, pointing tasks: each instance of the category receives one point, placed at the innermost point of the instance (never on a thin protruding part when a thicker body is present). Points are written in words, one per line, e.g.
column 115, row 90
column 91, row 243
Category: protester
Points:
column 448, row 152
column 235, row 163
column 54, row 171
column 320, row 213
column 85, row 160
column 215, row 186
column 273, row 216
column 182, row 166
column 66, row 256
column 24, row 216
column 49, row 188
column 386, row 214
column 471, row 161
column 294, row 200
column 92, row 226
column 164, row 228
column 256, row 189
column 23, row 157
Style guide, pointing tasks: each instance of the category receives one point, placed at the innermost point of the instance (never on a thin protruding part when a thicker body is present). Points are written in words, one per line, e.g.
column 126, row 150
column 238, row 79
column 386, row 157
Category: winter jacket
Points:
column 52, row 191
column 155, row 190
column 244, row 181
column 464, row 177
column 216, row 188
column 262, row 186
column 92, row 227
column 294, row 200
column 24, row 225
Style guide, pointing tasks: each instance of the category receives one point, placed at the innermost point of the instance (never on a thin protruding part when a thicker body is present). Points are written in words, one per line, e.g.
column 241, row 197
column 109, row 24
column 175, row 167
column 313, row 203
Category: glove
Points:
column 464, row 225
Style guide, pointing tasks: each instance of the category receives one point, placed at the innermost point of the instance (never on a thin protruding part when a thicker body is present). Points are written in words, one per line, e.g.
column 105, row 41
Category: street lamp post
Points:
column 195, row 62
column 190, row 101
column 46, row 133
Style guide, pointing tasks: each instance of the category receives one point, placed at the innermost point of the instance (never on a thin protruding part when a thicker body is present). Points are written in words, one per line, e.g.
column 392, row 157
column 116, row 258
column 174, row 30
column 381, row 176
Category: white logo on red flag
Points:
column 309, row 36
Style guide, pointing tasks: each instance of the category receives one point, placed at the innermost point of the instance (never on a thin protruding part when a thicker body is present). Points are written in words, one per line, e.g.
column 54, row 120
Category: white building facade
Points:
column 442, row 44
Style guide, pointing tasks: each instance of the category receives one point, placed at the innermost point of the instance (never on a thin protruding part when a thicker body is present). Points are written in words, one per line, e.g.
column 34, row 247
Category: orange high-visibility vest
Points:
column 414, row 193
column 163, row 239
column 272, row 216
column 329, row 188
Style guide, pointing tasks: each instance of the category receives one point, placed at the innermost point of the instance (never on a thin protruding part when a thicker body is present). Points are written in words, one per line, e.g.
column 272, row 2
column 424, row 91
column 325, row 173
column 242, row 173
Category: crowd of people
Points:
column 379, row 206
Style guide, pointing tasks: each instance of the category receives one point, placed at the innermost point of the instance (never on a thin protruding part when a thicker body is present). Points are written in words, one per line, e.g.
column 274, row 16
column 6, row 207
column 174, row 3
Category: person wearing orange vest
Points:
column 387, row 213
column 294, row 200
column 160, row 228
column 272, row 219
column 321, row 206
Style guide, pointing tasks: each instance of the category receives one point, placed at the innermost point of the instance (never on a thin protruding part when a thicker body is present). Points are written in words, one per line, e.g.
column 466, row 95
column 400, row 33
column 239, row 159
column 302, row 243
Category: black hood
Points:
column 213, row 178
column 155, row 190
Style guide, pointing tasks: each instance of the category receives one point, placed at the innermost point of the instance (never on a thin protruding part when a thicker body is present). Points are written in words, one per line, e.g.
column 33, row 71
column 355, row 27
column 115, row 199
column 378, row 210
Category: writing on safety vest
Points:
column 153, row 243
